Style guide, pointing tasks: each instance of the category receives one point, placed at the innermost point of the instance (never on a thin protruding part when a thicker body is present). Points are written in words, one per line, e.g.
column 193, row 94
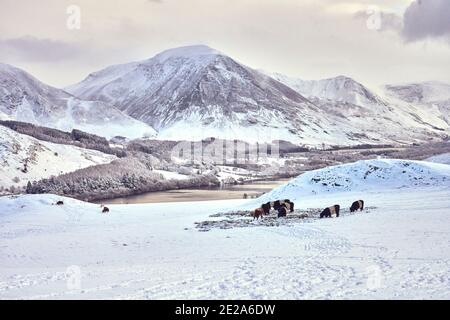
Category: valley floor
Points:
column 398, row 249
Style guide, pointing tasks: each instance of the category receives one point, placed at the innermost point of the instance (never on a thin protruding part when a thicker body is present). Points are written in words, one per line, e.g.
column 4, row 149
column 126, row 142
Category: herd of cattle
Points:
column 285, row 206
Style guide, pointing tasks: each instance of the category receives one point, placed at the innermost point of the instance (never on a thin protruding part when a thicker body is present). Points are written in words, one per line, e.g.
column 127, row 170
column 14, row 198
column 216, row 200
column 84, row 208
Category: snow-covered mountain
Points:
column 396, row 113
column 24, row 158
column 197, row 92
column 24, row 98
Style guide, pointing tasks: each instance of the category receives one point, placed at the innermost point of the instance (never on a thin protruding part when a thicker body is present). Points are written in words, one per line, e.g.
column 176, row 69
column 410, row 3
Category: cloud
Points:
column 427, row 19
column 32, row 49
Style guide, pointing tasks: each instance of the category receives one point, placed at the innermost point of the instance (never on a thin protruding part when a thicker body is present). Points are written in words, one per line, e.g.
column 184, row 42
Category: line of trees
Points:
column 122, row 177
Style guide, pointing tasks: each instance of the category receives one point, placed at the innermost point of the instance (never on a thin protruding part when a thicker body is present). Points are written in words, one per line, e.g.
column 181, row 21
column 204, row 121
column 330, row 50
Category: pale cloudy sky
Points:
column 409, row 40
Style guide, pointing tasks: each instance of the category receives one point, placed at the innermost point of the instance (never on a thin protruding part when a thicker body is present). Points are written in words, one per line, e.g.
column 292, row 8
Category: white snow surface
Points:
column 43, row 159
column 396, row 249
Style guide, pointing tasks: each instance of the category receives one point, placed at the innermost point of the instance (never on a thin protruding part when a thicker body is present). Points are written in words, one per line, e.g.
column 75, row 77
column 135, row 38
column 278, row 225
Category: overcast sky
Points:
column 406, row 41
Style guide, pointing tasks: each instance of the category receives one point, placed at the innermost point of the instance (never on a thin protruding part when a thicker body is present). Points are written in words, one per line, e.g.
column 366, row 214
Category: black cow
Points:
column 282, row 211
column 59, row 203
column 357, row 205
column 277, row 204
column 328, row 212
column 105, row 210
column 266, row 208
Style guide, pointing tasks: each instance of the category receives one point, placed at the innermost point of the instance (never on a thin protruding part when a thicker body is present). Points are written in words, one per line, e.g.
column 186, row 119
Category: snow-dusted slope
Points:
column 442, row 158
column 24, row 98
column 23, row 158
column 197, row 92
column 425, row 92
column 364, row 175
column 426, row 100
column 338, row 89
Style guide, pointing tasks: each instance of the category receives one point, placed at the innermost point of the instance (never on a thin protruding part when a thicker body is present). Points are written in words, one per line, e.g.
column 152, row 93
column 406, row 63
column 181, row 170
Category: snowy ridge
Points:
column 382, row 174
column 24, row 158
column 24, row 98
column 338, row 89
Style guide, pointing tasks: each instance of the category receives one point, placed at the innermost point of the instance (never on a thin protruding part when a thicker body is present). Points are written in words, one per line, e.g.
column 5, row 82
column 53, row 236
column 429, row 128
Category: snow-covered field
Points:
column 399, row 248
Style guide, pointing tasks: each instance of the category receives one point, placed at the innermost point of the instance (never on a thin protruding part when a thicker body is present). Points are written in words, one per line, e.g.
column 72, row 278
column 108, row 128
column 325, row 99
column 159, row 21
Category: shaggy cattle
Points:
column 258, row 213
column 357, row 205
column 266, row 208
column 105, row 210
column 329, row 212
column 59, row 203
column 289, row 205
column 282, row 211
column 276, row 205
column 279, row 203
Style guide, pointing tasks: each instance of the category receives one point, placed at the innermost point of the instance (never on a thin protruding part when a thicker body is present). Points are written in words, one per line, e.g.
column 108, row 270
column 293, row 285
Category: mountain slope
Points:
column 24, row 158
column 24, row 98
column 427, row 99
column 424, row 93
column 388, row 115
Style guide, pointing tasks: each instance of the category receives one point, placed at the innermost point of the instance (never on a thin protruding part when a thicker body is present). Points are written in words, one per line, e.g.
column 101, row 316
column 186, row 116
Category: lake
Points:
column 252, row 189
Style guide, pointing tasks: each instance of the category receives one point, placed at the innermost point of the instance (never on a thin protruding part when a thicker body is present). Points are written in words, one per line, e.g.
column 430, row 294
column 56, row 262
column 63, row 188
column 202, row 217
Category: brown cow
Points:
column 258, row 213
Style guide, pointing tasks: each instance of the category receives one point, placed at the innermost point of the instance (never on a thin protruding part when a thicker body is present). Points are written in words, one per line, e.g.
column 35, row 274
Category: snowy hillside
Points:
column 442, row 158
column 24, row 158
column 213, row 95
column 383, row 174
column 24, row 98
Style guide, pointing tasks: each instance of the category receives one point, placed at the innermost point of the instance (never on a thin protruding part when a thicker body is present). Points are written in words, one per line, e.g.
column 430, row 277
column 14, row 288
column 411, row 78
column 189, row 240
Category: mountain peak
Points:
column 188, row 52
